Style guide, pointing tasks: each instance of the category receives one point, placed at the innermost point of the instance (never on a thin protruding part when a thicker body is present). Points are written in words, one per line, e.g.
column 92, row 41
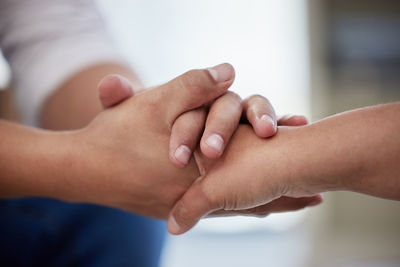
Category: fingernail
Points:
column 216, row 142
column 173, row 226
column 267, row 119
column 182, row 154
column 222, row 72
column 124, row 82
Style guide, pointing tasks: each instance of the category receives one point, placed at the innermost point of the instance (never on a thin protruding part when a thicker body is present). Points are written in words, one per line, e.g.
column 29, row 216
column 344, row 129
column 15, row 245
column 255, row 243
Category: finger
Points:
column 261, row 115
column 114, row 89
column 187, row 211
column 222, row 121
column 185, row 134
column 285, row 204
column 194, row 89
column 282, row 204
column 292, row 120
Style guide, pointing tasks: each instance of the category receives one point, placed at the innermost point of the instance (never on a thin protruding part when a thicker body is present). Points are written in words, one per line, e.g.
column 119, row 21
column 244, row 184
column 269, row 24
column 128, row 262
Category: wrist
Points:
column 314, row 166
column 32, row 161
column 57, row 155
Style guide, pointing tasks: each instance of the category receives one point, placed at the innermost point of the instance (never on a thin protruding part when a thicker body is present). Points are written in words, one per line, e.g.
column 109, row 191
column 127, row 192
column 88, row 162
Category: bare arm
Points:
column 76, row 102
column 120, row 158
column 116, row 152
column 355, row 151
column 32, row 161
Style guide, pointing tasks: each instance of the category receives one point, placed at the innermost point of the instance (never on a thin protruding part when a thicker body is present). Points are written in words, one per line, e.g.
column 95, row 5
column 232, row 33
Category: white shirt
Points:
column 47, row 41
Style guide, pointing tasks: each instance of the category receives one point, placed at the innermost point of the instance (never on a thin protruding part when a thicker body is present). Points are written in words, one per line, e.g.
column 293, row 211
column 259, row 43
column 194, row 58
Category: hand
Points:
column 212, row 126
column 248, row 180
column 224, row 119
column 282, row 204
column 123, row 152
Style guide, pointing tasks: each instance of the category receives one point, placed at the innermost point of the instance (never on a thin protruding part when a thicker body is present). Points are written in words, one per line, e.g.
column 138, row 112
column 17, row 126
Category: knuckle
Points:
column 210, row 196
column 110, row 80
column 193, row 80
column 183, row 137
column 226, row 122
column 258, row 103
column 189, row 125
column 223, row 126
column 188, row 77
column 252, row 111
column 258, row 97
column 191, row 119
column 229, row 126
column 150, row 104
column 257, row 100
column 233, row 97
column 182, row 214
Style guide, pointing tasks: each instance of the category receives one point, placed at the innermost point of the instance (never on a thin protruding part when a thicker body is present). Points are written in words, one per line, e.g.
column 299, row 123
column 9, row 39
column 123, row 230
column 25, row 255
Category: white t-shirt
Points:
column 47, row 41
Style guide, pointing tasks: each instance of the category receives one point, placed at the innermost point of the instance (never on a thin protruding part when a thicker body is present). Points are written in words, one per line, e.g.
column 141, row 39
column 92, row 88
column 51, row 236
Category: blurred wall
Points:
column 355, row 62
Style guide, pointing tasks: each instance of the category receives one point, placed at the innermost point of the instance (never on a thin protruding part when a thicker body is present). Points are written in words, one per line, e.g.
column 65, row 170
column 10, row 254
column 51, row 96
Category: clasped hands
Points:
column 178, row 151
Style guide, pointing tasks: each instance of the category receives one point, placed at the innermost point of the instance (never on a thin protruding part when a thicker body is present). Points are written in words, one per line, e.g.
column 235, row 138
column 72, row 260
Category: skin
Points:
column 111, row 161
column 76, row 103
column 102, row 156
column 355, row 151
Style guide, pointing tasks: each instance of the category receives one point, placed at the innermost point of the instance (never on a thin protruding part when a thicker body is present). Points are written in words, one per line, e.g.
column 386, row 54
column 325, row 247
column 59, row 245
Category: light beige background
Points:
column 350, row 229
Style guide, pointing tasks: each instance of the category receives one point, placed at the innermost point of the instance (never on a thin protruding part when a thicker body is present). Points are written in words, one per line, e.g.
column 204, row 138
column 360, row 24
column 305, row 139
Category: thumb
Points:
column 113, row 89
column 188, row 210
column 195, row 88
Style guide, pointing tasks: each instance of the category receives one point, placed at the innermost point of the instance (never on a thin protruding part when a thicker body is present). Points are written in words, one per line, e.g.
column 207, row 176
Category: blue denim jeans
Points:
column 47, row 232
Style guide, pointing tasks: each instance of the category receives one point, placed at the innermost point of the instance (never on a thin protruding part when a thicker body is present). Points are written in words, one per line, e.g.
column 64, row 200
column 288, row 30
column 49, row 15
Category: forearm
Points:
column 36, row 162
column 75, row 166
column 76, row 102
column 356, row 151
column 32, row 161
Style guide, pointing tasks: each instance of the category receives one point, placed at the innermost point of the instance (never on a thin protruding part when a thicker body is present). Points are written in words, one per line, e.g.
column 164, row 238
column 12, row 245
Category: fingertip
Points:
column 177, row 224
column 293, row 120
column 104, row 86
column 113, row 89
column 175, row 162
column 173, row 227
column 181, row 156
column 265, row 126
column 209, row 152
column 318, row 199
column 299, row 120
column 188, row 210
column 112, row 81
column 213, row 146
column 222, row 73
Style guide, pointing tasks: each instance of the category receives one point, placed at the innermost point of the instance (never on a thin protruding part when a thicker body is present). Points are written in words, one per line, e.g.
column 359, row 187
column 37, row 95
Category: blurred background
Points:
column 311, row 57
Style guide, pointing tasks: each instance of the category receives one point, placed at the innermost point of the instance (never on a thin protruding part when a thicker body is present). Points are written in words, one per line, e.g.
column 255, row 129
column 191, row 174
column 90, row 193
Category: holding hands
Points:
column 178, row 151
column 145, row 150
column 193, row 109
column 235, row 171
column 127, row 145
